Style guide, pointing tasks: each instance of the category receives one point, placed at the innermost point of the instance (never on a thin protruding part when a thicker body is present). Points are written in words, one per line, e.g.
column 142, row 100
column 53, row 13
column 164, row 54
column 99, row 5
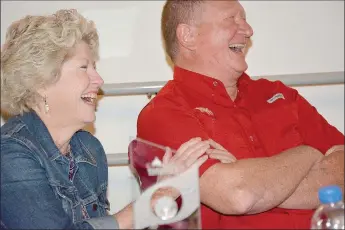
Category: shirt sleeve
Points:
column 27, row 199
column 316, row 131
column 171, row 126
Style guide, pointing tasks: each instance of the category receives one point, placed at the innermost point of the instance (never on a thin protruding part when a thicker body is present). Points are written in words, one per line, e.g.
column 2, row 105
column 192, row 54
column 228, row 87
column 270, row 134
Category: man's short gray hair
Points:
column 174, row 13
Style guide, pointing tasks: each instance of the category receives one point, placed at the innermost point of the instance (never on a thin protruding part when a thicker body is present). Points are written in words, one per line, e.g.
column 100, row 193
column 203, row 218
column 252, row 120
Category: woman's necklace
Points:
column 71, row 164
column 70, row 177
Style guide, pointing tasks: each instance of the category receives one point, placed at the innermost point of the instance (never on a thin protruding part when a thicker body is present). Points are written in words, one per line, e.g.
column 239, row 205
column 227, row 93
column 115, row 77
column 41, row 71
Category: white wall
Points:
column 290, row 37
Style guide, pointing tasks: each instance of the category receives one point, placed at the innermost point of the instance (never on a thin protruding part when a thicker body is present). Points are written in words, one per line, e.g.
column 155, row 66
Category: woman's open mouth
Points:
column 89, row 98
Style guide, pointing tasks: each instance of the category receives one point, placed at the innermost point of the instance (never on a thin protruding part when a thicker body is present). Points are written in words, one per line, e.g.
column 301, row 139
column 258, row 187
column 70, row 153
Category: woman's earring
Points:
column 46, row 106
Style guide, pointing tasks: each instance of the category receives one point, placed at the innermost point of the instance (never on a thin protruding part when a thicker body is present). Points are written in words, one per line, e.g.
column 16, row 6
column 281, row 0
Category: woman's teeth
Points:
column 89, row 98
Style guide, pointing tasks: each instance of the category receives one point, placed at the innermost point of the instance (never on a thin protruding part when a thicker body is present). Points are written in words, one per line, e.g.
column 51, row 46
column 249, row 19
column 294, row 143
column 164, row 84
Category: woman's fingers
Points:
column 221, row 153
column 193, row 150
column 201, row 160
column 181, row 166
column 186, row 145
column 188, row 154
column 167, row 156
column 216, row 145
column 195, row 154
column 222, row 157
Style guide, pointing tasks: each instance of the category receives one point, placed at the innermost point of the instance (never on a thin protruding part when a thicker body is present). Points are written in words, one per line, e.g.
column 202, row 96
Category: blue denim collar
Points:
column 81, row 152
column 40, row 131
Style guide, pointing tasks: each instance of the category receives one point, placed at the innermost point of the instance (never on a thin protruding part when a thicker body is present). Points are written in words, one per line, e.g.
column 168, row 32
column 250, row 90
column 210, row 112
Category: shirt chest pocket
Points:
column 277, row 127
column 206, row 119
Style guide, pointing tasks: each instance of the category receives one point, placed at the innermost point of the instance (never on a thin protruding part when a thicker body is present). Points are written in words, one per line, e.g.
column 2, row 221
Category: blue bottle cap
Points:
column 330, row 194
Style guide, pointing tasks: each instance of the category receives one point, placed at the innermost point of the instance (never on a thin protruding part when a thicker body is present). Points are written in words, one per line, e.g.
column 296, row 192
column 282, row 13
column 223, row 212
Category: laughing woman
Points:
column 54, row 175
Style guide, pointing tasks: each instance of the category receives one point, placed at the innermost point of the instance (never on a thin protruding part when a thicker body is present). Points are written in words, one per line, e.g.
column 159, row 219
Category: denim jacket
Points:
column 36, row 192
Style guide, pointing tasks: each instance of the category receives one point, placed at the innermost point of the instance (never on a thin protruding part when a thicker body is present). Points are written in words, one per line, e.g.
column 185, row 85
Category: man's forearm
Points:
column 329, row 171
column 260, row 183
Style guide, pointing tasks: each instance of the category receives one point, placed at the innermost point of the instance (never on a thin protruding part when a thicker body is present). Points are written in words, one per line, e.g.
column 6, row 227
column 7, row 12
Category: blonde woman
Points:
column 54, row 175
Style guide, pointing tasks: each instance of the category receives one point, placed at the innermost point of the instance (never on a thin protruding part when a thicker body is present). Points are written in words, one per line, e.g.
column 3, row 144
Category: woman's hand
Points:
column 190, row 153
column 220, row 153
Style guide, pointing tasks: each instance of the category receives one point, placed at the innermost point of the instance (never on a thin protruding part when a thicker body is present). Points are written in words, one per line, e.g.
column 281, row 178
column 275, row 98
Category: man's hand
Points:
column 328, row 170
column 220, row 153
column 335, row 148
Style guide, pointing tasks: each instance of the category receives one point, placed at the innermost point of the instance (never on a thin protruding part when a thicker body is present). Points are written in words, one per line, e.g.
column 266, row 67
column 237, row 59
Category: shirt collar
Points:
column 37, row 127
column 208, row 86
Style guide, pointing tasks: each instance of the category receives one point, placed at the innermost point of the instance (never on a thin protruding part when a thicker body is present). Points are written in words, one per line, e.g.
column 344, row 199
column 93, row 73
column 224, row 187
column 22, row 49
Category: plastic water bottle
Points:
column 330, row 214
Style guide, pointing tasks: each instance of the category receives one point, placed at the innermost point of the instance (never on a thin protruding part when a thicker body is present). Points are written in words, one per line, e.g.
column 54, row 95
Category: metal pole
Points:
column 149, row 88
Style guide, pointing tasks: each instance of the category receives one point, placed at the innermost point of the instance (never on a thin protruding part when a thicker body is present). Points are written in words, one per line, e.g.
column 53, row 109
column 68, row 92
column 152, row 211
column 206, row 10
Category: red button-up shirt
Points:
column 265, row 119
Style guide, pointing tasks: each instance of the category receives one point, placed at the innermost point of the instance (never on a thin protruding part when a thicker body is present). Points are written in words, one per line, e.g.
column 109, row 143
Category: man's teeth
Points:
column 237, row 47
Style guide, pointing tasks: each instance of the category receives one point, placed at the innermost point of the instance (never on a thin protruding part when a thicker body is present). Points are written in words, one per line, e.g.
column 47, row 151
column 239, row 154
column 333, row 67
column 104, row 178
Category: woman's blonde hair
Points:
column 34, row 51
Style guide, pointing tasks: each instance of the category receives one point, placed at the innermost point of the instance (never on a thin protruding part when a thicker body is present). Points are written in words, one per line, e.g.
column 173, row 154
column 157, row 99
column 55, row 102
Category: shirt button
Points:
column 215, row 83
column 94, row 207
column 251, row 138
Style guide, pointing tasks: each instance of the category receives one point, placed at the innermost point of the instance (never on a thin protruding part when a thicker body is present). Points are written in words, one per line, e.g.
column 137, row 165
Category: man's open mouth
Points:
column 237, row 48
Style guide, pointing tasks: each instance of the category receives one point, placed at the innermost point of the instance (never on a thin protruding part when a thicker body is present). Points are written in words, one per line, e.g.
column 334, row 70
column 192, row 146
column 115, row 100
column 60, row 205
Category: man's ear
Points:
column 186, row 36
